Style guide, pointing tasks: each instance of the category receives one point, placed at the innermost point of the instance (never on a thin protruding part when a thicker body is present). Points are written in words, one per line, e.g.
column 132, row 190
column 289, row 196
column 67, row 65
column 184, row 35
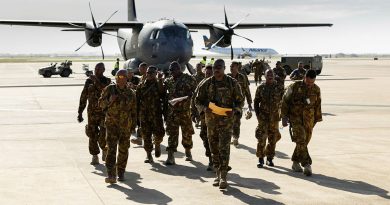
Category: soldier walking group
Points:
column 115, row 110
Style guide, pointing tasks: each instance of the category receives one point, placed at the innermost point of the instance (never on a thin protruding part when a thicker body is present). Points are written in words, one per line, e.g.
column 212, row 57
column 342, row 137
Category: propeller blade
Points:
column 226, row 19
column 93, row 18
column 243, row 37
column 101, row 48
column 83, row 44
column 212, row 46
column 113, row 35
column 235, row 25
column 101, row 26
column 231, row 51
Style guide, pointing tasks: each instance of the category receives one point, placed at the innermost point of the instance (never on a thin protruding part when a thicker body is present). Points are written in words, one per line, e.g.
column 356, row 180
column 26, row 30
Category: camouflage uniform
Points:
column 120, row 119
column 201, row 117
column 267, row 107
column 302, row 106
column 226, row 93
column 199, row 77
column 180, row 115
column 297, row 74
column 150, row 99
column 95, row 129
column 258, row 70
column 242, row 81
column 280, row 76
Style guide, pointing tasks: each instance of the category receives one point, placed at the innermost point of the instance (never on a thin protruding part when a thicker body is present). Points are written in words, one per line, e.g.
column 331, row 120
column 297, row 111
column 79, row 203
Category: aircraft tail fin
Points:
column 207, row 42
column 132, row 13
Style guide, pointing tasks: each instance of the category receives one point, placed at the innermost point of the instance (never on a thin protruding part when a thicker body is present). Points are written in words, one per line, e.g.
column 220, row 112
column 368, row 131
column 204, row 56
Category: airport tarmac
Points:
column 45, row 160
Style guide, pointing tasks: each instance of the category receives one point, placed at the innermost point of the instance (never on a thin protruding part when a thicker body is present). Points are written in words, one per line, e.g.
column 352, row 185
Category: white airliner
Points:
column 238, row 52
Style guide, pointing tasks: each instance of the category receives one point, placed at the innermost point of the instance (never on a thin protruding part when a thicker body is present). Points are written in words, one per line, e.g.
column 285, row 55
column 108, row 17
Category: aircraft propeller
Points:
column 228, row 31
column 97, row 29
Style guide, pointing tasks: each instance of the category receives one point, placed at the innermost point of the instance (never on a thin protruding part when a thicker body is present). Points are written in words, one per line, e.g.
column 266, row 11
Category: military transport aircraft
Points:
column 156, row 43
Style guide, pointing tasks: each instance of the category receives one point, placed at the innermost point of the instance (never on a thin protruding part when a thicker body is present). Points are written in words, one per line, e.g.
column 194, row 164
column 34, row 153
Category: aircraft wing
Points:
column 259, row 25
column 76, row 25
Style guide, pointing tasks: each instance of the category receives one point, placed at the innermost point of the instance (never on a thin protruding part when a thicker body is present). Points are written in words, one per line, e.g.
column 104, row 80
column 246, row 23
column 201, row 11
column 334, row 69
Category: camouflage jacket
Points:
column 257, row 67
column 301, row 104
column 280, row 75
column 184, row 85
column 123, row 111
column 150, row 100
column 199, row 77
column 226, row 93
column 268, row 101
column 243, row 81
column 297, row 74
column 91, row 94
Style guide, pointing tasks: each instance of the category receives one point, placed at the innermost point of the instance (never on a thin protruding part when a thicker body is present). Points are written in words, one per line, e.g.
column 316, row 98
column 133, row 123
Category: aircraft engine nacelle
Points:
column 217, row 33
column 93, row 35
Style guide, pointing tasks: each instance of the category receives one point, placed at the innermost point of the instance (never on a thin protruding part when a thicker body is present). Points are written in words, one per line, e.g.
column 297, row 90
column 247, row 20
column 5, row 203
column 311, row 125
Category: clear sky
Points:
column 360, row 26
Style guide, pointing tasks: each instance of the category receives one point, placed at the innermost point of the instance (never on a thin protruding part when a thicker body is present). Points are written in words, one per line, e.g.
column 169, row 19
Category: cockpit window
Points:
column 176, row 32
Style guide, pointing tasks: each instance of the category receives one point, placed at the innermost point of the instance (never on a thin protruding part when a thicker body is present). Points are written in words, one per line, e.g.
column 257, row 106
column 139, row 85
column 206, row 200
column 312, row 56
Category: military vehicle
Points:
column 63, row 70
column 289, row 63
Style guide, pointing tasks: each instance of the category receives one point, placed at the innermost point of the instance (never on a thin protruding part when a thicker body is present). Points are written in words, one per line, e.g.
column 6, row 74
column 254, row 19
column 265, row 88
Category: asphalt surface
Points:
column 45, row 160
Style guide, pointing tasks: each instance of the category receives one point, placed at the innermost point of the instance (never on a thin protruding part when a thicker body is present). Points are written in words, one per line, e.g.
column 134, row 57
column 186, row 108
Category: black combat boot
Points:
column 269, row 162
column 188, row 155
column 261, row 163
column 223, row 182
column 149, row 158
column 170, row 159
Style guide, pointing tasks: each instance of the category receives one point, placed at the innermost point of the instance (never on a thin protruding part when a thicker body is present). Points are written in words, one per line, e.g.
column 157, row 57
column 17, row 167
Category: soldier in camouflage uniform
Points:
column 257, row 68
column 119, row 102
column 267, row 107
column 201, row 117
column 142, row 71
column 242, row 81
column 150, row 98
column 299, row 73
column 301, row 107
column 179, row 114
column 199, row 76
column 225, row 92
column 280, row 74
column 95, row 129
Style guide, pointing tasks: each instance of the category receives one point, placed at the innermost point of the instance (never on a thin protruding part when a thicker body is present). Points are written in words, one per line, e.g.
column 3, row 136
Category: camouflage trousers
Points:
column 219, row 133
column 117, row 138
column 96, row 132
column 264, row 131
column 174, row 122
column 301, row 135
column 147, row 129
column 257, row 76
column 237, row 125
column 203, row 136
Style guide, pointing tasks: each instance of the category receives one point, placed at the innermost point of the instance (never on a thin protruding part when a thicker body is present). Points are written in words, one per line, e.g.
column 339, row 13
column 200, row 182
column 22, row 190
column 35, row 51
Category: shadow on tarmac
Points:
column 196, row 173
column 251, row 150
column 247, row 199
column 134, row 191
column 352, row 186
